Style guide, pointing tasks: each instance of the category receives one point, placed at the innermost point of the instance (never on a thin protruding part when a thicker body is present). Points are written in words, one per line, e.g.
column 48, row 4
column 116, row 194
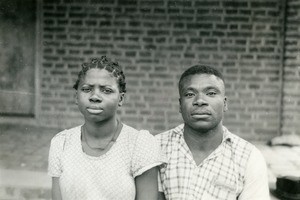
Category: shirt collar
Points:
column 227, row 136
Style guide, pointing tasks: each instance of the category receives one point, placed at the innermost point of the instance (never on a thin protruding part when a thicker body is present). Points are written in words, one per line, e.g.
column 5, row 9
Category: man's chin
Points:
column 203, row 127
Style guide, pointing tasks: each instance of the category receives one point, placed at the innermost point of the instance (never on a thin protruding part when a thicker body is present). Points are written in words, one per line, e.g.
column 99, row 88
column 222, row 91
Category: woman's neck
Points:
column 101, row 129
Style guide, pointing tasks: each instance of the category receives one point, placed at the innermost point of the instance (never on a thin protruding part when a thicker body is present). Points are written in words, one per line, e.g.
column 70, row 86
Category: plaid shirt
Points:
column 219, row 176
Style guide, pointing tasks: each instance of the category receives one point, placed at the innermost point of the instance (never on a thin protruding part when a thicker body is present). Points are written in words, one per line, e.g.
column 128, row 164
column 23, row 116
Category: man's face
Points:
column 202, row 101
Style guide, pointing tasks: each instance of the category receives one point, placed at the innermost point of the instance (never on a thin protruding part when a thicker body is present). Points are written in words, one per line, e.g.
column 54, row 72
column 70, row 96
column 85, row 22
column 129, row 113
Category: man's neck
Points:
column 202, row 143
column 200, row 140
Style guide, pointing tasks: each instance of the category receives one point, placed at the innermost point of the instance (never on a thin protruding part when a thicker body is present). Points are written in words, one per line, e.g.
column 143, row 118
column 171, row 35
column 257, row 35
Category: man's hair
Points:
column 199, row 69
column 103, row 63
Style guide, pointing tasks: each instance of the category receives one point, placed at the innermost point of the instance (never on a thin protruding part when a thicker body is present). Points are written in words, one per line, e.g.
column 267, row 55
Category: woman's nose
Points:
column 96, row 96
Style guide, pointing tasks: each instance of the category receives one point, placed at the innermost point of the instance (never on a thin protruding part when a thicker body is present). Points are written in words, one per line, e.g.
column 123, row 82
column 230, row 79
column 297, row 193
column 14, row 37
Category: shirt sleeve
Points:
column 256, row 178
column 146, row 153
column 55, row 154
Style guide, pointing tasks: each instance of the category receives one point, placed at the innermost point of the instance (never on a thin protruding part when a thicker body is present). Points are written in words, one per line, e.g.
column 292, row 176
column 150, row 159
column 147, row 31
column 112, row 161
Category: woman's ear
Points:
column 121, row 99
column 179, row 105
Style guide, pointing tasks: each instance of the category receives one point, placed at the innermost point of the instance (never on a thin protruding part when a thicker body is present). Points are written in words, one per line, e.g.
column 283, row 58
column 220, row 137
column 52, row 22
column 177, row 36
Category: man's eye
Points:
column 189, row 94
column 86, row 89
column 211, row 93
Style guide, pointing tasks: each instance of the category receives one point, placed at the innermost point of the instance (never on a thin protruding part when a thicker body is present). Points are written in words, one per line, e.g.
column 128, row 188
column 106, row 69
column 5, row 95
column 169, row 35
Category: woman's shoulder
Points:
column 134, row 133
column 65, row 134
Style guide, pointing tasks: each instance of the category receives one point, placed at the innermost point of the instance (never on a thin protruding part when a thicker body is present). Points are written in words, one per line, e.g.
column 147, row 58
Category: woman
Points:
column 103, row 158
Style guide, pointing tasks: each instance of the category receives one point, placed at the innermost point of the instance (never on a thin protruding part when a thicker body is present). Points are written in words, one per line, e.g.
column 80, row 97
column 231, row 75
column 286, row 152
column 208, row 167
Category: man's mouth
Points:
column 200, row 114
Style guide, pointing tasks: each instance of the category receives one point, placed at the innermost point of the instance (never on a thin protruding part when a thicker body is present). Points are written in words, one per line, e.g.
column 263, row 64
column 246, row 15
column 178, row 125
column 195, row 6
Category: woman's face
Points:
column 98, row 95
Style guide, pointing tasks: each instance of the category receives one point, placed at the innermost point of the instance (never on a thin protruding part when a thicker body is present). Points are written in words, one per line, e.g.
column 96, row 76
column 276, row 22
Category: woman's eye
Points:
column 107, row 91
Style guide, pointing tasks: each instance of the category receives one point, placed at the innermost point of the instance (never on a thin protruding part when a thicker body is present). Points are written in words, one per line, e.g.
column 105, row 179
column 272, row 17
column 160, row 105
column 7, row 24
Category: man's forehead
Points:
column 202, row 81
column 202, row 78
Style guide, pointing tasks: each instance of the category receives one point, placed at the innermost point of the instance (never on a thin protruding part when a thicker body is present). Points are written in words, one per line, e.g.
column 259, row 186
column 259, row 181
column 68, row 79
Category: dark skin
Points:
column 202, row 104
column 98, row 98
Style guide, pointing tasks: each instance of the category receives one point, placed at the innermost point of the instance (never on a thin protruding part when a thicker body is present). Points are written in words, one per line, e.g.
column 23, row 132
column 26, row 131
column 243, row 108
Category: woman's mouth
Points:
column 94, row 110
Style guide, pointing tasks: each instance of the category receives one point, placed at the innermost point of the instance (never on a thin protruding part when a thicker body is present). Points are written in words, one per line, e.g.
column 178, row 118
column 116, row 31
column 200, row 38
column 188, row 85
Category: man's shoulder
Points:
column 236, row 140
column 241, row 147
column 166, row 136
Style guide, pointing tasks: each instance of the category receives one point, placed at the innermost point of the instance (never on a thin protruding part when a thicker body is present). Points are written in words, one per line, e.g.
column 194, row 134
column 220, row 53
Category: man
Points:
column 204, row 160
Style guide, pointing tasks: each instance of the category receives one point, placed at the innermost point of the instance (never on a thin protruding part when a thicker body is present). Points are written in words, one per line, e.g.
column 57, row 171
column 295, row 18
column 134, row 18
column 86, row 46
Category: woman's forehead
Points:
column 99, row 75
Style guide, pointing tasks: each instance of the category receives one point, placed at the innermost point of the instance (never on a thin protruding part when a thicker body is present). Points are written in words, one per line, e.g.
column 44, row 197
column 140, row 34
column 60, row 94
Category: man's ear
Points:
column 225, row 104
column 121, row 99
column 179, row 105
column 76, row 98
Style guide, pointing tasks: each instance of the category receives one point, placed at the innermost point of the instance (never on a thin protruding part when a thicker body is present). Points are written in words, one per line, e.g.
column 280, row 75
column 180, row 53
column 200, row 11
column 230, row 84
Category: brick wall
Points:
column 155, row 41
column 291, row 92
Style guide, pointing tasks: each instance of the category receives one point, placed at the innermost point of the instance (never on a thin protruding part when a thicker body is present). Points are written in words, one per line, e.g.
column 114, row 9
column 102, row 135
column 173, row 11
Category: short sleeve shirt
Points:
column 221, row 176
column 109, row 176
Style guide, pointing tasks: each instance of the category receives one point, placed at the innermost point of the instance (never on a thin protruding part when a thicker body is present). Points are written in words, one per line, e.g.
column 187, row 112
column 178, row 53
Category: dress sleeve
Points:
column 55, row 154
column 146, row 153
column 256, row 178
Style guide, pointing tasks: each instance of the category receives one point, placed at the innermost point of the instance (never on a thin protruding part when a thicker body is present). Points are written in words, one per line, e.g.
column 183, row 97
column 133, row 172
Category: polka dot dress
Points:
column 109, row 176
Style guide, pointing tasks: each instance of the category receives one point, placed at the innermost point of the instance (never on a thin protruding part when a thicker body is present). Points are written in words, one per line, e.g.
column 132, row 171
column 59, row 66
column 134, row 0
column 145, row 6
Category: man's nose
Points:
column 96, row 96
column 199, row 100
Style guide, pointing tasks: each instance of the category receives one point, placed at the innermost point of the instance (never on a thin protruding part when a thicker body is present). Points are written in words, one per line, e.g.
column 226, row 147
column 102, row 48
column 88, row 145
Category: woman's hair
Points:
column 103, row 63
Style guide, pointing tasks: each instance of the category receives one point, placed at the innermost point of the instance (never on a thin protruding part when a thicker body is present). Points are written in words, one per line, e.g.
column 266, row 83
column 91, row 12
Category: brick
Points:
column 245, row 11
column 235, row 4
column 79, row 30
column 101, row 45
column 152, row 3
column 77, row 15
column 198, row 26
column 218, row 33
column 211, row 18
column 54, row 29
column 181, row 18
column 236, row 19
column 211, row 41
column 49, row 22
column 189, row 33
column 175, row 3
column 265, row 5
column 61, row 8
column 207, row 4
column 239, row 34
column 73, row 59
column 131, row 32
column 231, row 11
column 127, row 2
column 91, row 22
column 202, row 11
column 55, row 15
column 74, row 52
column 233, row 49
column 119, row 38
